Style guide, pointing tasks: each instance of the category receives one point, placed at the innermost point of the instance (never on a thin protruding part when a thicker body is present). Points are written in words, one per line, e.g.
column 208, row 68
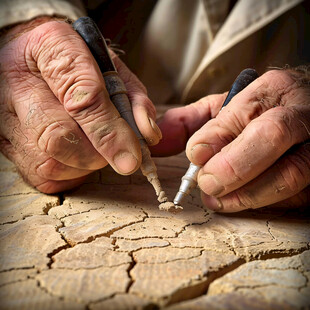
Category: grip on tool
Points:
column 91, row 34
column 189, row 181
column 246, row 77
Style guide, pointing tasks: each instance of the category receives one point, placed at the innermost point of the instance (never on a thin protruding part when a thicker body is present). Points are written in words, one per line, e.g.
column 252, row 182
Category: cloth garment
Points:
column 199, row 47
column 17, row 11
column 192, row 48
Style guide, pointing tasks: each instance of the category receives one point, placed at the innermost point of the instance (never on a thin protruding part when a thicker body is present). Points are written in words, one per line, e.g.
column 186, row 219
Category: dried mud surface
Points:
column 105, row 245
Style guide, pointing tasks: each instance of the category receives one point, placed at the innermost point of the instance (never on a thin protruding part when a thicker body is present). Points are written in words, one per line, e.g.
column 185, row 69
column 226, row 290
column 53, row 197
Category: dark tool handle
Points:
column 189, row 180
column 91, row 34
column 246, row 77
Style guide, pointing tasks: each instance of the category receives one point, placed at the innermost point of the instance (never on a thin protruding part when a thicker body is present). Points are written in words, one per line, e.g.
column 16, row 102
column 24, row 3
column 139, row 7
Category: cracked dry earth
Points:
column 106, row 245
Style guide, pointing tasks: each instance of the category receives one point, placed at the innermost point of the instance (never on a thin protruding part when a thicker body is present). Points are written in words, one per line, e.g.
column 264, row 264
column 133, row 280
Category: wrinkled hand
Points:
column 256, row 151
column 57, row 121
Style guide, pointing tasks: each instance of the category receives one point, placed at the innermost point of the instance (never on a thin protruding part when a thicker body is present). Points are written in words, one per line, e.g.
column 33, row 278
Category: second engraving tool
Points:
column 189, row 180
column 90, row 33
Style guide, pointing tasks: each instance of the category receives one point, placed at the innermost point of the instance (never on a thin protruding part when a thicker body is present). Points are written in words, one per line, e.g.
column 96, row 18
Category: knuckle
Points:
column 295, row 172
column 279, row 80
column 301, row 199
column 60, row 72
column 51, row 139
column 46, row 141
column 56, row 61
column 273, row 128
column 286, row 87
column 46, row 187
column 134, row 83
column 104, row 134
column 141, row 101
column 278, row 129
column 49, row 169
column 131, row 81
column 47, row 43
column 232, row 124
column 64, row 60
column 235, row 173
column 272, row 89
column 80, row 101
column 273, row 75
column 71, row 72
column 243, row 199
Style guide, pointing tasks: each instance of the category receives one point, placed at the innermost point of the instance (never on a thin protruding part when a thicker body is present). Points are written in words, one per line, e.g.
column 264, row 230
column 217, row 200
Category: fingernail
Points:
column 214, row 204
column 201, row 152
column 155, row 128
column 210, row 185
column 125, row 162
column 211, row 203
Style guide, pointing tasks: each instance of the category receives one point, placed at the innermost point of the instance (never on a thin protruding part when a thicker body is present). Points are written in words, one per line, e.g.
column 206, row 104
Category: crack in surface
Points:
column 77, row 213
column 18, row 194
column 2, row 273
column 269, row 231
column 49, row 206
column 214, row 275
column 105, row 234
column 170, row 260
column 278, row 254
column 197, row 286
column 217, row 275
column 12, row 222
column 264, row 253
column 18, row 281
column 59, row 249
column 187, row 225
column 90, row 268
column 60, row 298
column 22, row 219
column 131, row 266
column 54, row 252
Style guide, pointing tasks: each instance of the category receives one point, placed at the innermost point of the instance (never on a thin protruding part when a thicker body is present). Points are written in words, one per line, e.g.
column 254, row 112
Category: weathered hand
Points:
column 255, row 151
column 57, row 121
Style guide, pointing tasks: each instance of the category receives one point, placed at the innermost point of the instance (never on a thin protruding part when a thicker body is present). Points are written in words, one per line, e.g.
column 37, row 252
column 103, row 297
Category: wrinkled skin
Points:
column 57, row 121
column 58, row 124
column 256, row 151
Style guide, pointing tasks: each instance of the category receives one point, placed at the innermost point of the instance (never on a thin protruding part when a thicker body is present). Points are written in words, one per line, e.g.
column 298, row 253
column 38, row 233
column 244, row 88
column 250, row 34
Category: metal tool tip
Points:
column 178, row 198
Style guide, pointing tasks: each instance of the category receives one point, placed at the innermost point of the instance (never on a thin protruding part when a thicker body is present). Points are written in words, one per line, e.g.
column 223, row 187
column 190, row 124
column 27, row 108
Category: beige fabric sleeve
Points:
column 16, row 11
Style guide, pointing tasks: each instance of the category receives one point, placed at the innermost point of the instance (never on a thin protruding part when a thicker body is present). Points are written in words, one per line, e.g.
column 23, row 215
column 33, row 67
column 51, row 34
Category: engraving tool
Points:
column 91, row 34
column 189, row 180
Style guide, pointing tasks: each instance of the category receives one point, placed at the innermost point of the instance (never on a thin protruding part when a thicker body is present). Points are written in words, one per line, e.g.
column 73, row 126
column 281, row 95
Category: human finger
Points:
column 297, row 201
column 142, row 107
column 52, row 169
column 178, row 124
column 74, row 77
column 26, row 163
column 272, row 89
column 21, row 141
column 258, row 147
column 284, row 184
column 45, row 121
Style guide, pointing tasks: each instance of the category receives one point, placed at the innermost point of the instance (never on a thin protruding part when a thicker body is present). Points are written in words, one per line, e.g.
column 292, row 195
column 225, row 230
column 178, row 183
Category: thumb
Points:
column 179, row 124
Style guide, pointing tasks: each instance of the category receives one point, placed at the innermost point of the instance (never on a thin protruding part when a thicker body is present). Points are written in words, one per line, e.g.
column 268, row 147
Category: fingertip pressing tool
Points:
column 91, row 34
column 189, row 180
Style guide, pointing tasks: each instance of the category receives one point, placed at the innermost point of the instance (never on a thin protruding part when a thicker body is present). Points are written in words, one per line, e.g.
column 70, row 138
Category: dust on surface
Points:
column 170, row 206
column 79, row 95
column 169, row 260
column 166, row 205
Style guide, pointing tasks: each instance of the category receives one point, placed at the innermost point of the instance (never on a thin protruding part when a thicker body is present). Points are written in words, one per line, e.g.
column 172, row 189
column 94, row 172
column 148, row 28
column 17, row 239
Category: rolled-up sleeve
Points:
column 16, row 11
